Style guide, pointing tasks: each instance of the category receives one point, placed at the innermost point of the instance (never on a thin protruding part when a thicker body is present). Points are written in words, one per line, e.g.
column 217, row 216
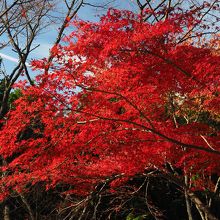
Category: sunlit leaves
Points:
column 120, row 98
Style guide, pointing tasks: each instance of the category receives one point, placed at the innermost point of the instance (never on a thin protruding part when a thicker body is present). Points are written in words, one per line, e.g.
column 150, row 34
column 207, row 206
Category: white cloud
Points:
column 10, row 58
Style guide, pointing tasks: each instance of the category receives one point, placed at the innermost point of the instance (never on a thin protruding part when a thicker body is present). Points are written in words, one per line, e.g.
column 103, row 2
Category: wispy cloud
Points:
column 10, row 58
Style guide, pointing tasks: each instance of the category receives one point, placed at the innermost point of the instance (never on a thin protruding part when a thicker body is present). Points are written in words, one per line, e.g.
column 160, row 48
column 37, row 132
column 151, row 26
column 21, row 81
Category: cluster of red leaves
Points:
column 105, row 108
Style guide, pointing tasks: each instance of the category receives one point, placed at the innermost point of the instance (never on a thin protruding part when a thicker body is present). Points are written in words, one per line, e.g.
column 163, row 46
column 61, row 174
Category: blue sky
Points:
column 48, row 36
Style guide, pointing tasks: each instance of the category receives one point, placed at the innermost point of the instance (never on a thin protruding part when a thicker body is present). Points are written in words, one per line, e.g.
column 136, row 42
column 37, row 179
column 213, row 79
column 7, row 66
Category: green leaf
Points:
column 130, row 216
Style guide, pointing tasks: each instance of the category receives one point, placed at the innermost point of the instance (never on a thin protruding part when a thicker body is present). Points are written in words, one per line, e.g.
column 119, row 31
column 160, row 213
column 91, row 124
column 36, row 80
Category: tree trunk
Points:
column 201, row 206
column 6, row 212
column 187, row 199
column 4, row 104
column 30, row 212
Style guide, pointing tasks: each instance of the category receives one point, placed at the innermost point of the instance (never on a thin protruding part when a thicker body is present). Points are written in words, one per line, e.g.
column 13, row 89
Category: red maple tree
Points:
column 121, row 97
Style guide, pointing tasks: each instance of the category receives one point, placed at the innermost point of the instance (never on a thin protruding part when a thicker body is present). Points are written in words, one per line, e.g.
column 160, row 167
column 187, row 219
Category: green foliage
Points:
column 195, row 177
column 132, row 217
column 16, row 94
column 113, row 99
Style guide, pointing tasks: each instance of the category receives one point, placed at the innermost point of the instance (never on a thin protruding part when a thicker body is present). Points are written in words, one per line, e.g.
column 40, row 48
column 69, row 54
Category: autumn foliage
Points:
column 120, row 98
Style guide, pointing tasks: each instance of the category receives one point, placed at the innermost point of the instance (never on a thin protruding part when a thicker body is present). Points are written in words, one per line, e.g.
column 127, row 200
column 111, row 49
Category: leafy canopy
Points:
column 120, row 98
